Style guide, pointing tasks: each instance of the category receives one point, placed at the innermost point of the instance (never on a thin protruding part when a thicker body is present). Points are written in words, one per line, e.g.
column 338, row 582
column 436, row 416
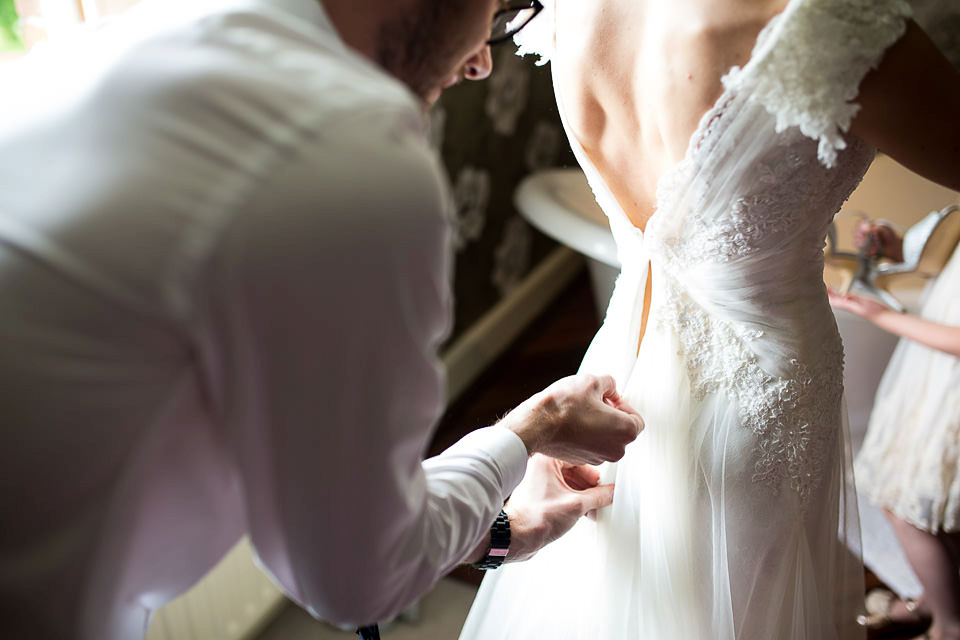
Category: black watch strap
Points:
column 499, row 544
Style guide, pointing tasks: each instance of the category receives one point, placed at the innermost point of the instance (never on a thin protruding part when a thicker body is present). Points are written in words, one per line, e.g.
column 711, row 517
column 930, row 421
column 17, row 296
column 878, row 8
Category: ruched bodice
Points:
column 736, row 243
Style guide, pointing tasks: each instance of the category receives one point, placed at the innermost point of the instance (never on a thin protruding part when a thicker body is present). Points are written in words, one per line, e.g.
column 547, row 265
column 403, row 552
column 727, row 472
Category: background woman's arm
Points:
column 938, row 336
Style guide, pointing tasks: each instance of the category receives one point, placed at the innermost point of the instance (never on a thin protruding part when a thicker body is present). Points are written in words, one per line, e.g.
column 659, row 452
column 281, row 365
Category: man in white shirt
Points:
column 224, row 266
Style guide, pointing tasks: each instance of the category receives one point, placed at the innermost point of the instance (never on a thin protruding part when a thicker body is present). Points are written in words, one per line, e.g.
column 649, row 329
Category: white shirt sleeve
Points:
column 324, row 306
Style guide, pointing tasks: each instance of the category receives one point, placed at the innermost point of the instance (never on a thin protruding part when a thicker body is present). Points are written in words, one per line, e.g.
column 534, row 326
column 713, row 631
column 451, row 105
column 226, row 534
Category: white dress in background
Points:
column 728, row 506
column 909, row 459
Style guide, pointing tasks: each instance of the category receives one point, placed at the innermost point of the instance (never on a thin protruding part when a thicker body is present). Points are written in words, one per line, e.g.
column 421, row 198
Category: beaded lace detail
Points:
column 789, row 414
column 793, row 412
column 783, row 185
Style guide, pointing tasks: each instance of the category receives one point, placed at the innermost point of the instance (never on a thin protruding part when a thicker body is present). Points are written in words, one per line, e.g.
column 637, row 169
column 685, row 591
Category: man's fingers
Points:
column 606, row 385
column 628, row 425
column 617, row 402
column 624, row 421
column 638, row 423
column 624, row 406
column 596, row 498
column 580, row 477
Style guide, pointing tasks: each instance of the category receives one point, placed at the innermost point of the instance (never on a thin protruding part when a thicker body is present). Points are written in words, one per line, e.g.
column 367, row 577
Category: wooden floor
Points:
column 550, row 348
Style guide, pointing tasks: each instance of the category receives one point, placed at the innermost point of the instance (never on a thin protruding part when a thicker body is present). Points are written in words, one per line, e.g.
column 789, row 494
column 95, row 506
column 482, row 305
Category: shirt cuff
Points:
column 504, row 447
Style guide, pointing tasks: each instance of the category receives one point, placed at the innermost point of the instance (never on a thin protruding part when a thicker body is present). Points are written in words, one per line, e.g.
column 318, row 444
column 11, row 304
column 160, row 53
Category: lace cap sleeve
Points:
column 539, row 36
column 808, row 63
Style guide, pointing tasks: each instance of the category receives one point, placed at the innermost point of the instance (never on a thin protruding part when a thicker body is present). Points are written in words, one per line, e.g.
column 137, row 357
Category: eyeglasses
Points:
column 509, row 20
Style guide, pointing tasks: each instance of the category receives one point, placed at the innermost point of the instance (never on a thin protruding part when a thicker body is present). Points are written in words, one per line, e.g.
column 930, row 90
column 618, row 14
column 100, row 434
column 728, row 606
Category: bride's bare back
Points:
column 636, row 76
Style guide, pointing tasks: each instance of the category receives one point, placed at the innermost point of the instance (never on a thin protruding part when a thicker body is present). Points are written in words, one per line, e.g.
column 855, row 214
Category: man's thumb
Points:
column 596, row 498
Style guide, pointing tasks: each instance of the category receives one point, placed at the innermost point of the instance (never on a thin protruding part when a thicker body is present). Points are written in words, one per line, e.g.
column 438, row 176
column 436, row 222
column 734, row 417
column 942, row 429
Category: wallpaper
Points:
column 490, row 135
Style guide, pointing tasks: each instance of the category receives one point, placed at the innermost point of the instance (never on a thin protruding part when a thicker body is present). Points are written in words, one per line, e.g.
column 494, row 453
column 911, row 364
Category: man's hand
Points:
column 549, row 501
column 575, row 421
column 580, row 419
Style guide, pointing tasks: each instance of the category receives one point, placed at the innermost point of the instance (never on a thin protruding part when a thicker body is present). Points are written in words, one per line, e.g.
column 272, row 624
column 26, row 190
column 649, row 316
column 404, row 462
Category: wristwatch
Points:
column 499, row 544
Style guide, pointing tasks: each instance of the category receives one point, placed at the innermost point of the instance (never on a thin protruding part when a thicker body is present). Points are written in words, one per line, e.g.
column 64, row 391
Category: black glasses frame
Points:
column 514, row 9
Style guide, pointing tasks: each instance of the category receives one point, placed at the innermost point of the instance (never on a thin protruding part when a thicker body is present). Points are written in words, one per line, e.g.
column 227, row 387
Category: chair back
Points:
column 927, row 247
column 941, row 242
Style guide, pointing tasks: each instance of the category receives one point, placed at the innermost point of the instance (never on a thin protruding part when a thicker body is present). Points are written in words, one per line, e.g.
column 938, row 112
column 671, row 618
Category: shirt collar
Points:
column 310, row 10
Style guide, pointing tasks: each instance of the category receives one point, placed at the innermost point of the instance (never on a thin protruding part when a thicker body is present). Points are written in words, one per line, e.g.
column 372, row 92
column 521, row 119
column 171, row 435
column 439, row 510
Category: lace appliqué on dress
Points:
column 808, row 63
column 753, row 221
column 792, row 412
column 790, row 415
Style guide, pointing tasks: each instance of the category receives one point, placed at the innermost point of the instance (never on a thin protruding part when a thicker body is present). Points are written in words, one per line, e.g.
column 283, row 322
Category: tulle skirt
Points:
column 693, row 547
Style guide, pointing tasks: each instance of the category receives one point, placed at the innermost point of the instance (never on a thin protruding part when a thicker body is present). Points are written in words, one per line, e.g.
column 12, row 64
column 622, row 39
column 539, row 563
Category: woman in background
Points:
column 909, row 461
column 720, row 137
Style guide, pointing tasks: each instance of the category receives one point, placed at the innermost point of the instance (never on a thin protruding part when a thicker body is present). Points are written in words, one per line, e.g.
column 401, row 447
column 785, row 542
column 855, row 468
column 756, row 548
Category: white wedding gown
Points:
column 734, row 509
